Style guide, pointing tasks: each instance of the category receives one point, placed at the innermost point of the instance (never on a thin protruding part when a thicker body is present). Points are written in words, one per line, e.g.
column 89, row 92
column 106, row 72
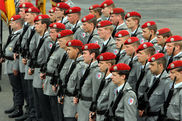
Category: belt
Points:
column 171, row 120
column 8, row 58
column 101, row 112
column 85, row 98
column 152, row 114
column 69, row 94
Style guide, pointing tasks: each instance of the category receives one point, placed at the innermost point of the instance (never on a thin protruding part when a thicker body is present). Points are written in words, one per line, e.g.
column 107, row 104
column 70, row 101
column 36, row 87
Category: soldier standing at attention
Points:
column 96, row 11
column 12, row 68
column 126, row 108
column 107, row 6
column 133, row 24
column 52, row 14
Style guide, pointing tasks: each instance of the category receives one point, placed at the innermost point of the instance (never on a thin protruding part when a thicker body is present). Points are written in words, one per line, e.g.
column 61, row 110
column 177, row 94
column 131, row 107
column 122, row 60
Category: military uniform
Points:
column 105, row 98
column 124, row 58
column 121, row 27
column 88, row 92
column 110, row 44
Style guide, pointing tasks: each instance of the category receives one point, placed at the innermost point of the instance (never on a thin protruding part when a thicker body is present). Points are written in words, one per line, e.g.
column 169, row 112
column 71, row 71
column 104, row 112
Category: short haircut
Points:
column 161, row 61
column 112, row 5
column 136, row 18
column 77, row 47
column 20, row 21
column 99, row 10
column 179, row 69
column 69, row 37
column 57, row 29
column 153, row 27
column 150, row 50
column 111, row 28
column 96, row 51
column 126, row 73
column 46, row 21
column 94, row 21
column 178, row 43
column 135, row 44
column 167, row 34
column 121, row 14
column 113, row 61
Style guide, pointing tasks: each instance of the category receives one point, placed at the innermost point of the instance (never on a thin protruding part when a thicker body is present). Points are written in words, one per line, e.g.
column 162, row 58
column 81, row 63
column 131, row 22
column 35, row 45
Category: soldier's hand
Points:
column 141, row 113
column 15, row 55
column 15, row 72
column 42, row 76
column 60, row 100
column 54, row 88
column 30, row 71
column 75, row 100
column 24, row 61
column 43, row 86
column 92, row 116
column 76, row 116
column 2, row 60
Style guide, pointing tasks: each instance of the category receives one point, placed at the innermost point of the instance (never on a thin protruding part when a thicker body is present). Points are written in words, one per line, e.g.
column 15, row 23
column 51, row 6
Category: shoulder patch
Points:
column 83, row 34
column 130, row 101
column 50, row 45
column 115, row 51
column 98, row 75
column 96, row 42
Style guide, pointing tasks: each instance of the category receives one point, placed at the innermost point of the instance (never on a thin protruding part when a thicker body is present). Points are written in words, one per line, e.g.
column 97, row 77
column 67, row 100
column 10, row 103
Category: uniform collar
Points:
column 108, row 76
column 178, row 85
column 18, row 31
column 120, row 25
column 180, row 53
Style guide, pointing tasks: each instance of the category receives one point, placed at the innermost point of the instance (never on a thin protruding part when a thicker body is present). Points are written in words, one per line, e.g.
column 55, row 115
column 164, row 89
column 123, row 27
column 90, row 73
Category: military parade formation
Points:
column 100, row 67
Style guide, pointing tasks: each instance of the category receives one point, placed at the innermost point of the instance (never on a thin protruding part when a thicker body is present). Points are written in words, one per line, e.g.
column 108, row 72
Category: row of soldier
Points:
column 68, row 68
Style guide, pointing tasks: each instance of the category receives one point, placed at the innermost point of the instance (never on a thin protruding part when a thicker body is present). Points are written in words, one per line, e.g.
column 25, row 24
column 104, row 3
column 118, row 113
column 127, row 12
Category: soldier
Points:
column 55, row 28
column 88, row 85
column 105, row 30
column 12, row 68
column 133, row 24
column 23, row 7
column 125, row 106
column 162, row 35
column 174, row 48
column 60, row 11
column 131, row 45
column 117, row 19
column 107, row 7
column 96, row 11
column 106, row 88
column 88, row 33
column 158, row 88
column 72, row 78
column 38, row 58
column 52, row 14
column 149, row 29
column 120, row 38
column 74, row 14
column 69, row 2
column 173, row 112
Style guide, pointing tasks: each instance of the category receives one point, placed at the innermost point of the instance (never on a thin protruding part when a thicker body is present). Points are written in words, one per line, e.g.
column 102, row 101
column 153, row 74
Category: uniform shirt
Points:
column 121, row 27
column 111, row 46
column 138, row 34
column 124, row 58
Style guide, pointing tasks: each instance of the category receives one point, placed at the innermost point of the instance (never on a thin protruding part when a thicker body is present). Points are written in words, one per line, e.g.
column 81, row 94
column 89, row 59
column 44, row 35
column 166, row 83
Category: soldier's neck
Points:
column 91, row 30
column 134, row 28
column 178, row 80
column 42, row 33
column 107, row 37
column 121, row 83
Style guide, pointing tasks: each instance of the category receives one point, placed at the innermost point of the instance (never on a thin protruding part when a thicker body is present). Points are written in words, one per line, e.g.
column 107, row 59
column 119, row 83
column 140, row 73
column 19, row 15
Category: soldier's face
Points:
column 53, row 34
column 114, row 18
column 39, row 26
column 174, row 73
column 169, row 48
column 129, row 49
column 102, row 32
column 87, row 27
column 92, row 12
column 13, row 25
column 103, row 65
column 59, row 13
column 146, row 33
column 117, row 79
column 29, row 17
column 62, row 42
column 22, row 13
column 160, row 40
column 87, row 56
column 72, row 18
column 106, row 11
column 142, row 56
column 131, row 22
column 119, row 42
column 72, row 52
column 154, row 68
column 52, row 17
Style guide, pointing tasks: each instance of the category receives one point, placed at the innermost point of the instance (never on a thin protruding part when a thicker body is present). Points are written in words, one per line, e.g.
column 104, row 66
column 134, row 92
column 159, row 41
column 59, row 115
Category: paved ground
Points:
column 166, row 13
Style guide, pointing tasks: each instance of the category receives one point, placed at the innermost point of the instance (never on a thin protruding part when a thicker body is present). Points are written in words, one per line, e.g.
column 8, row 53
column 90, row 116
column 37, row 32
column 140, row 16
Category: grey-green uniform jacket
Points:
column 174, row 110
column 127, row 107
column 138, row 34
column 121, row 27
column 11, row 65
column 159, row 95
column 89, row 89
column 51, row 67
column 69, row 108
column 41, row 59
column 111, row 46
column 106, row 97
column 124, row 58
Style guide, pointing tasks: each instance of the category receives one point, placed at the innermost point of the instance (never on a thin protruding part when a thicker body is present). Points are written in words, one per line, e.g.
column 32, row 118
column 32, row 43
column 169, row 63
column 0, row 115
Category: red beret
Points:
column 132, row 14
column 90, row 46
column 147, row 24
column 15, row 17
column 106, row 56
column 92, row 7
column 104, row 23
column 52, row 10
column 40, row 17
column 174, row 38
column 120, row 67
column 57, row 26
column 64, row 33
column 74, row 43
column 144, row 46
column 26, row 5
column 73, row 10
column 175, row 64
column 117, row 11
column 131, row 40
column 88, row 17
column 122, row 33
column 163, row 31
column 106, row 3
column 63, row 5
column 32, row 10
column 155, row 57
